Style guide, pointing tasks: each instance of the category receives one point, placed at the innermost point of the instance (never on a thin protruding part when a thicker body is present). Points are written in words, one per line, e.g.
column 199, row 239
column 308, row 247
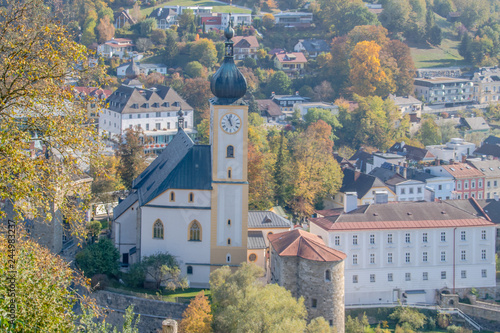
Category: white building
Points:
column 116, row 47
column 238, row 19
column 444, row 90
column 442, row 186
column 453, row 150
column 304, row 107
column 153, row 110
column 143, row 68
column 407, row 251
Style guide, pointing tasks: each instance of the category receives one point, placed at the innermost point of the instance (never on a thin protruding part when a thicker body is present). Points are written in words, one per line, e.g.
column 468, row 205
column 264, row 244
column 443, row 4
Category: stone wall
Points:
column 152, row 312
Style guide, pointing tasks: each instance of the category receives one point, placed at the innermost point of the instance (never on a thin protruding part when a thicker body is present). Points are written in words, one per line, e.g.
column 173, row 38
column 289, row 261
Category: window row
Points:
column 425, row 257
column 472, row 184
column 407, row 238
column 172, row 196
column 410, row 190
column 194, row 231
column 425, row 276
column 472, row 195
column 157, row 126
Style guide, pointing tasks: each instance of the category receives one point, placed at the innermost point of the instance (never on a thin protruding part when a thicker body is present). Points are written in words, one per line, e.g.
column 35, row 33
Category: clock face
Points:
column 230, row 123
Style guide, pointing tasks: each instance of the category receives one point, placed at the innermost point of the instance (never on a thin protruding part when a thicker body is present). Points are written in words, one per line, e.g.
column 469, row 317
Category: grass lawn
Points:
column 217, row 6
column 178, row 296
column 444, row 55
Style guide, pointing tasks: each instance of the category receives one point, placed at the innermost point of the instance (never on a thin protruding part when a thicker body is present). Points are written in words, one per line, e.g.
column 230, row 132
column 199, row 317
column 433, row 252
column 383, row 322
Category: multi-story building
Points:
column 291, row 63
column 487, row 85
column 304, row 107
column 444, row 90
column 154, row 110
column 237, row 18
column 412, row 153
column 442, row 186
column 116, row 47
column 165, row 17
column 469, row 181
column 491, row 172
column 455, row 150
column 312, row 47
column 405, row 189
column 90, row 98
column 294, row 19
column 124, row 18
column 245, row 46
column 409, row 250
column 287, row 103
column 407, row 104
column 121, row 71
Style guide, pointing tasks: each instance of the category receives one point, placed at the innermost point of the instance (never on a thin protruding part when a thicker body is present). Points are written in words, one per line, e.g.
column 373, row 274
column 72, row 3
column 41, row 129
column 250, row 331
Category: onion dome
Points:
column 132, row 71
column 228, row 84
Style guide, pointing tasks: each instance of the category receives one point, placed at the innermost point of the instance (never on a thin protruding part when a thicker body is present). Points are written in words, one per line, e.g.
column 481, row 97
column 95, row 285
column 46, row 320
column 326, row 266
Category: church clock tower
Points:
column 229, row 144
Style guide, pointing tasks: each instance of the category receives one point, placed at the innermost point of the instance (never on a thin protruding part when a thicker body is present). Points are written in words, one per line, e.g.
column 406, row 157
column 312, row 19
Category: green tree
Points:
column 147, row 26
column 204, row 51
column 318, row 325
column 448, row 131
column 238, row 299
column 429, row 133
column 99, row 258
column 279, row 83
column 194, row 69
column 410, row 316
column 187, row 22
column 170, row 50
column 315, row 114
column 159, row 37
column 38, row 56
column 163, row 269
column 435, row 35
column 130, row 152
column 356, row 325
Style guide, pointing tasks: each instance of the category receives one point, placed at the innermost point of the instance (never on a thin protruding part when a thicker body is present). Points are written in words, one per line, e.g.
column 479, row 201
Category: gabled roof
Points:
column 476, row 123
column 361, row 183
column 182, row 165
column 162, row 13
column 124, row 98
column 302, row 244
column 490, row 168
column 411, row 152
column 255, row 240
column 488, row 149
column 259, row 219
column 93, row 92
column 462, row 170
column 401, row 215
column 270, row 107
column 494, row 140
column 245, row 42
column 291, row 57
column 315, row 45
column 360, row 158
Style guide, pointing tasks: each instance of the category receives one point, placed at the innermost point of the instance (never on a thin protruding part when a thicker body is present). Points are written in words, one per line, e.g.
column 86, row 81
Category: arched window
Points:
column 328, row 275
column 190, row 270
column 229, row 173
column 230, row 151
column 191, row 197
column 172, row 196
column 228, row 222
column 158, row 229
column 195, row 231
column 229, row 241
column 228, row 258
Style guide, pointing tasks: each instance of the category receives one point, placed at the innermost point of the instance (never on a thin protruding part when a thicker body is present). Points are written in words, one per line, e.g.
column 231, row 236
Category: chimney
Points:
column 296, row 93
column 381, row 197
column 272, row 95
column 397, row 168
column 438, row 161
column 405, row 170
column 464, row 158
column 350, row 201
column 452, row 161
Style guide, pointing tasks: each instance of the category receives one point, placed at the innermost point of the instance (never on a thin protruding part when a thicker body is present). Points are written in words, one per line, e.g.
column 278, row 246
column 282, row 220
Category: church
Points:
column 192, row 201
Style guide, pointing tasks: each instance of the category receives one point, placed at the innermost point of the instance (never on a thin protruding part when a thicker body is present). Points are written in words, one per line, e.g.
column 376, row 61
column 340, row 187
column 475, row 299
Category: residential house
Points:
column 292, row 64
column 487, row 149
column 154, row 110
column 294, row 19
column 304, row 107
column 312, row 47
column 269, row 110
column 287, row 103
column 406, row 251
column 407, row 105
column 211, row 21
column 405, row 189
column 442, row 187
column 454, row 150
column 124, row 18
column 121, row 71
column 444, row 90
column 454, row 72
column 165, row 17
column 494, row 140
column 90, row 97
column 197, row 10
column 361, row 159
column 469, row 181
column 237, row 18
column 491, row 172
column 486, row 82
column 474, row 125
column 412, row 153
column 245, row 46
column 369, row 190
column 116, row 47
column 380, row 158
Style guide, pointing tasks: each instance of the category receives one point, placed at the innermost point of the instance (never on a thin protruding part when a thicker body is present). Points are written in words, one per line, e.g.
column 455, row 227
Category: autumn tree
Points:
column 106, row 29
column 204, row 52
column 316, row 173
column 429, row 133
column 194, row 69
column 130, row 152
column 268, row 21
column 239, row 299
column 106, row 180
column 404, row 74
column 366, row 75
column 196, row 92
column 37, row 57
column 341, row 16
column 197, row 318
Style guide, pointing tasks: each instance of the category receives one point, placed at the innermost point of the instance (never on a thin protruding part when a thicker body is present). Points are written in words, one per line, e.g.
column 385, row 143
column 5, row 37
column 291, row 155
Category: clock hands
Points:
column 229, row 119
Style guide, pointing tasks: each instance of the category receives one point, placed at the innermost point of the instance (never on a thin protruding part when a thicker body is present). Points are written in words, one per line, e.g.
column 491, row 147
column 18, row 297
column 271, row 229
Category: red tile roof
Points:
column 93, row 91
column 268, row 105
column 251, row 40
column 292, row 57
column 300, row 243
column 462, row 170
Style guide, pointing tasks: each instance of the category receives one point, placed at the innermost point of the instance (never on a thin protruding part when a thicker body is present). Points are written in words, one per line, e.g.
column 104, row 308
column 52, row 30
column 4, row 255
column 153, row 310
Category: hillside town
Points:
column 250, row 166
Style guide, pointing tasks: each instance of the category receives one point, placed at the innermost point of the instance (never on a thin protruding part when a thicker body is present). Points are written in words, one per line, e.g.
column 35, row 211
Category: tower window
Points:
column 229, row 241
column 190, row 270
column 172, row 196
column 328, row 275
column 191, row 197
column 314, row 303
column 228, row 222
column 229, row 173
column 228, row 258
column 230, row 151
column 158, row 229
column 195, row 232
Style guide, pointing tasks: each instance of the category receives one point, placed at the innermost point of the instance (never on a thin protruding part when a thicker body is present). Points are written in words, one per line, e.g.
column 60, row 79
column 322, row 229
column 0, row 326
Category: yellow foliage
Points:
column 197, row 318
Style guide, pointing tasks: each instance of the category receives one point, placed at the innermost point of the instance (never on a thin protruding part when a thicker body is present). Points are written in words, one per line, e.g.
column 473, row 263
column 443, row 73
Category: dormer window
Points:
column 155, row 105
column 135, row 106
column 146, row 105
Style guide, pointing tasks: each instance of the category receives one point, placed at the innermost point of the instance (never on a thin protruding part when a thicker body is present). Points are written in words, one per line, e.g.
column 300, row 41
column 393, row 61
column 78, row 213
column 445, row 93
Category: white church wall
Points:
column 125, row 227
column 176, row 241
column 201, row 198
column 229, row 209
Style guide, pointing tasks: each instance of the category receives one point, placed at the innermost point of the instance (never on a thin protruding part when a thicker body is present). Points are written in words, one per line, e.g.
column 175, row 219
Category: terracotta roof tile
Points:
column 251, row 41
column 299, row 243
column 462, row 170
column 292, row 57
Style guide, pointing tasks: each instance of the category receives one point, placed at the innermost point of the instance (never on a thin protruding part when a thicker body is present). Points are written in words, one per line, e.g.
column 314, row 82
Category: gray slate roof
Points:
column 361, row 183
column 256, row 240
column 182, row 165
column 492, row 140
column 490, row 168
column 267, row 219
column 316, row 45
column 122, row 100
column 476, row 123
